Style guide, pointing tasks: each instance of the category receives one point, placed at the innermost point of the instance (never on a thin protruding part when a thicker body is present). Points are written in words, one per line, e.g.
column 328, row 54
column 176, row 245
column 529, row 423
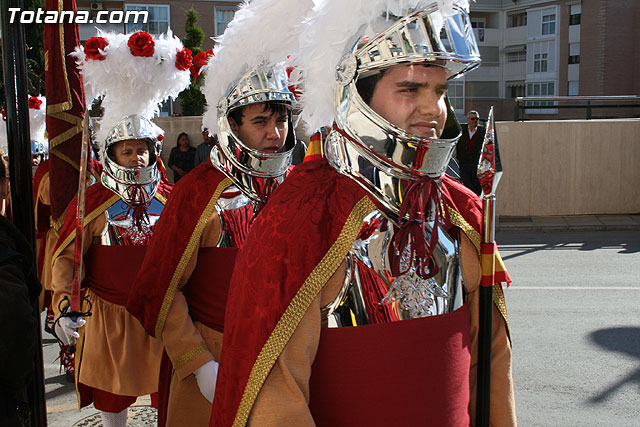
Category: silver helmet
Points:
column 265, row 83
column 368, row 147
column 133, row 185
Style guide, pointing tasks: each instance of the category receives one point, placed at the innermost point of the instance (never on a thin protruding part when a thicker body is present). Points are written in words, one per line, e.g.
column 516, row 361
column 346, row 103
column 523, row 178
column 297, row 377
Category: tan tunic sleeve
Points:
column 62, row 270
column 503, row 409
column 284, row 397
column 183, row 341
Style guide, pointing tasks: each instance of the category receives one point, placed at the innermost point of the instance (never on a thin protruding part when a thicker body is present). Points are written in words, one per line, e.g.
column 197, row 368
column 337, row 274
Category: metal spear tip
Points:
column 489, row 165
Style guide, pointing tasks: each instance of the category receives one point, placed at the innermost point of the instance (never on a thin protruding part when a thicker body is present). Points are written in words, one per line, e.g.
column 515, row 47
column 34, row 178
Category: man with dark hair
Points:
column 203, row 150
column 468, row 151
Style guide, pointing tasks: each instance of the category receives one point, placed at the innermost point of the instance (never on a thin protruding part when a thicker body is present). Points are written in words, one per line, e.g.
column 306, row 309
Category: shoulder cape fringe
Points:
column 191, row 247
column 298, row 306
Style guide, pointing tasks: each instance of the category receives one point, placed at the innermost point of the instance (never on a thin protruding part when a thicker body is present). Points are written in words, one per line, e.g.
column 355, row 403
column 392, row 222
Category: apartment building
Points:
column 163, row 15
column 546, row 48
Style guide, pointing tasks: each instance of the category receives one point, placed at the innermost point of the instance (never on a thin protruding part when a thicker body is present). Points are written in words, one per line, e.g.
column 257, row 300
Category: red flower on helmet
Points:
column 93, row 46
column 183, row 59
column 199, row 61
column 141, row 44
column 34, row 102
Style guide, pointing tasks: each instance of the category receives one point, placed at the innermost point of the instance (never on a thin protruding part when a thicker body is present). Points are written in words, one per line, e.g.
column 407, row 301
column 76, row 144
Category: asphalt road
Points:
column 574, row 314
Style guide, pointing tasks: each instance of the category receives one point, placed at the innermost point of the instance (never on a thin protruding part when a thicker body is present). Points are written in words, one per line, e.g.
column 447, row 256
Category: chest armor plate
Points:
column 230, row 205
column 369, row 287
column 120, row 229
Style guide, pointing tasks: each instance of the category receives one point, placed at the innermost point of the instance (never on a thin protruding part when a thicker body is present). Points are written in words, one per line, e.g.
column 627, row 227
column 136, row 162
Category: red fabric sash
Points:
column 171, row 237
column 417, row 369
column 206, row 291
column 289, row 238
column 110, row 271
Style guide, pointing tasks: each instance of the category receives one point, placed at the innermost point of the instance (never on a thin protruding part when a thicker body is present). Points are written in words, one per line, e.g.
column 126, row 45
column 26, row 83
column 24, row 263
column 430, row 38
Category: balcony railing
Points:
column 524, row 103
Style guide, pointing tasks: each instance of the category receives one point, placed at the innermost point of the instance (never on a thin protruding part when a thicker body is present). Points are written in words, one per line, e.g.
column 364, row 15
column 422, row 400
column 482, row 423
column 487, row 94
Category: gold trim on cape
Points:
column 298, row 306
column 190, row 355
column 193, row 244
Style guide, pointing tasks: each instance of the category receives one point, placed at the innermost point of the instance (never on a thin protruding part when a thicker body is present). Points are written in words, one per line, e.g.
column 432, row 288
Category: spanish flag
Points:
column 315, row 148
column 493, row 268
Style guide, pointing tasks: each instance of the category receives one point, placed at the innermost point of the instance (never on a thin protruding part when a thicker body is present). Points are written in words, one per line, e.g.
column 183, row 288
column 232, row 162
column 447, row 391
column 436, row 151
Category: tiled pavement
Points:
column 570, row 223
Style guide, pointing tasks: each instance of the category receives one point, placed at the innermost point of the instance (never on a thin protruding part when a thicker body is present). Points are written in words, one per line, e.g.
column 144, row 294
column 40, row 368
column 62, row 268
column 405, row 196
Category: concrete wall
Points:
column 571, row 167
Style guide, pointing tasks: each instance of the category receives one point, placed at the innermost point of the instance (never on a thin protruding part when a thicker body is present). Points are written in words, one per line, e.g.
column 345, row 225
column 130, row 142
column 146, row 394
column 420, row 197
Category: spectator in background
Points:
column 203, row 150
column 468, row 151
column 19, row 289
column 181, row 159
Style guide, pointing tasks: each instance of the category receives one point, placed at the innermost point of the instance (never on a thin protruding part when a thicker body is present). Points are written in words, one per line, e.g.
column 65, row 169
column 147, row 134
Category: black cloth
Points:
column 19, row 290
column 182, row 159
column 468, row 154
column 299, row 151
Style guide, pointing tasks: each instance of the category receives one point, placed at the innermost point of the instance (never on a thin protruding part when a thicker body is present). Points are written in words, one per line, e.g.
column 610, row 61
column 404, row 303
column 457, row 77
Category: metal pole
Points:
column 18, row 136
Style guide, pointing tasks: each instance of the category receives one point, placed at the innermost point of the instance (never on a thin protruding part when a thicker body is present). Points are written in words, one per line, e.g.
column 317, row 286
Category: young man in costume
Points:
column 116, row 361
column 363, row 269
column 211, row 210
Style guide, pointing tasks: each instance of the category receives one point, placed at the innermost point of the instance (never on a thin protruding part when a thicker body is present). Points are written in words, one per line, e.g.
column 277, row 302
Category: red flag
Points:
column 65, row 107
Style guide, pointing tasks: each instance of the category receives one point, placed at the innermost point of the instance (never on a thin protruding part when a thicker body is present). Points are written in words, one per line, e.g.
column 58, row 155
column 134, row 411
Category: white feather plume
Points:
column 131, row 84
column 329, row 33
column 261, row 31
column 37, row 122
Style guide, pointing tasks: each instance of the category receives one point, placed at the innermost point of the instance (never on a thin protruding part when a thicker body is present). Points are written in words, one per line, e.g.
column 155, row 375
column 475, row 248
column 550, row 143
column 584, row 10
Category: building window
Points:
column 540, row 63
column 224, row 15
column 520, row 56
column 541, row 89
column 513, row 90
column 157, row 20
column 478, row 23
column 574, row 53
column 490, row 55
column 476, row 90
column 517, row 19
column 574, row 19
column 455, row 93
column 548, row 24
column 574, row 14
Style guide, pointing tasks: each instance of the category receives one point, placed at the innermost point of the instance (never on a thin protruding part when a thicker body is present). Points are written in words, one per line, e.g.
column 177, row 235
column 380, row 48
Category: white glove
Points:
column 206, row 377
column 66, row 329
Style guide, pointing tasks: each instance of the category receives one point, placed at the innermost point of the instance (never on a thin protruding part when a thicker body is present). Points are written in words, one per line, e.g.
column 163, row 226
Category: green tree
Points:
column 192, row 101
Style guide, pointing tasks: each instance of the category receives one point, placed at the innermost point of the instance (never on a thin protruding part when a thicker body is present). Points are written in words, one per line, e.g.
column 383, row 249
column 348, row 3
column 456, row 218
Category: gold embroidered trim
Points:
column 90, row 217
column 298, row 307
column 35, row 208
column 66, row 135
column 189, row 356
column 193, row 244
column 498, row 300
column 459, row 221
column 68, row 104
column 161, row 198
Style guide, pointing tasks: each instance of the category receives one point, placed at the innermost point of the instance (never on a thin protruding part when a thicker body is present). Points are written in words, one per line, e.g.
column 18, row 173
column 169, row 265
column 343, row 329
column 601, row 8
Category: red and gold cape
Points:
column 175, row 240
column 296, row 244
